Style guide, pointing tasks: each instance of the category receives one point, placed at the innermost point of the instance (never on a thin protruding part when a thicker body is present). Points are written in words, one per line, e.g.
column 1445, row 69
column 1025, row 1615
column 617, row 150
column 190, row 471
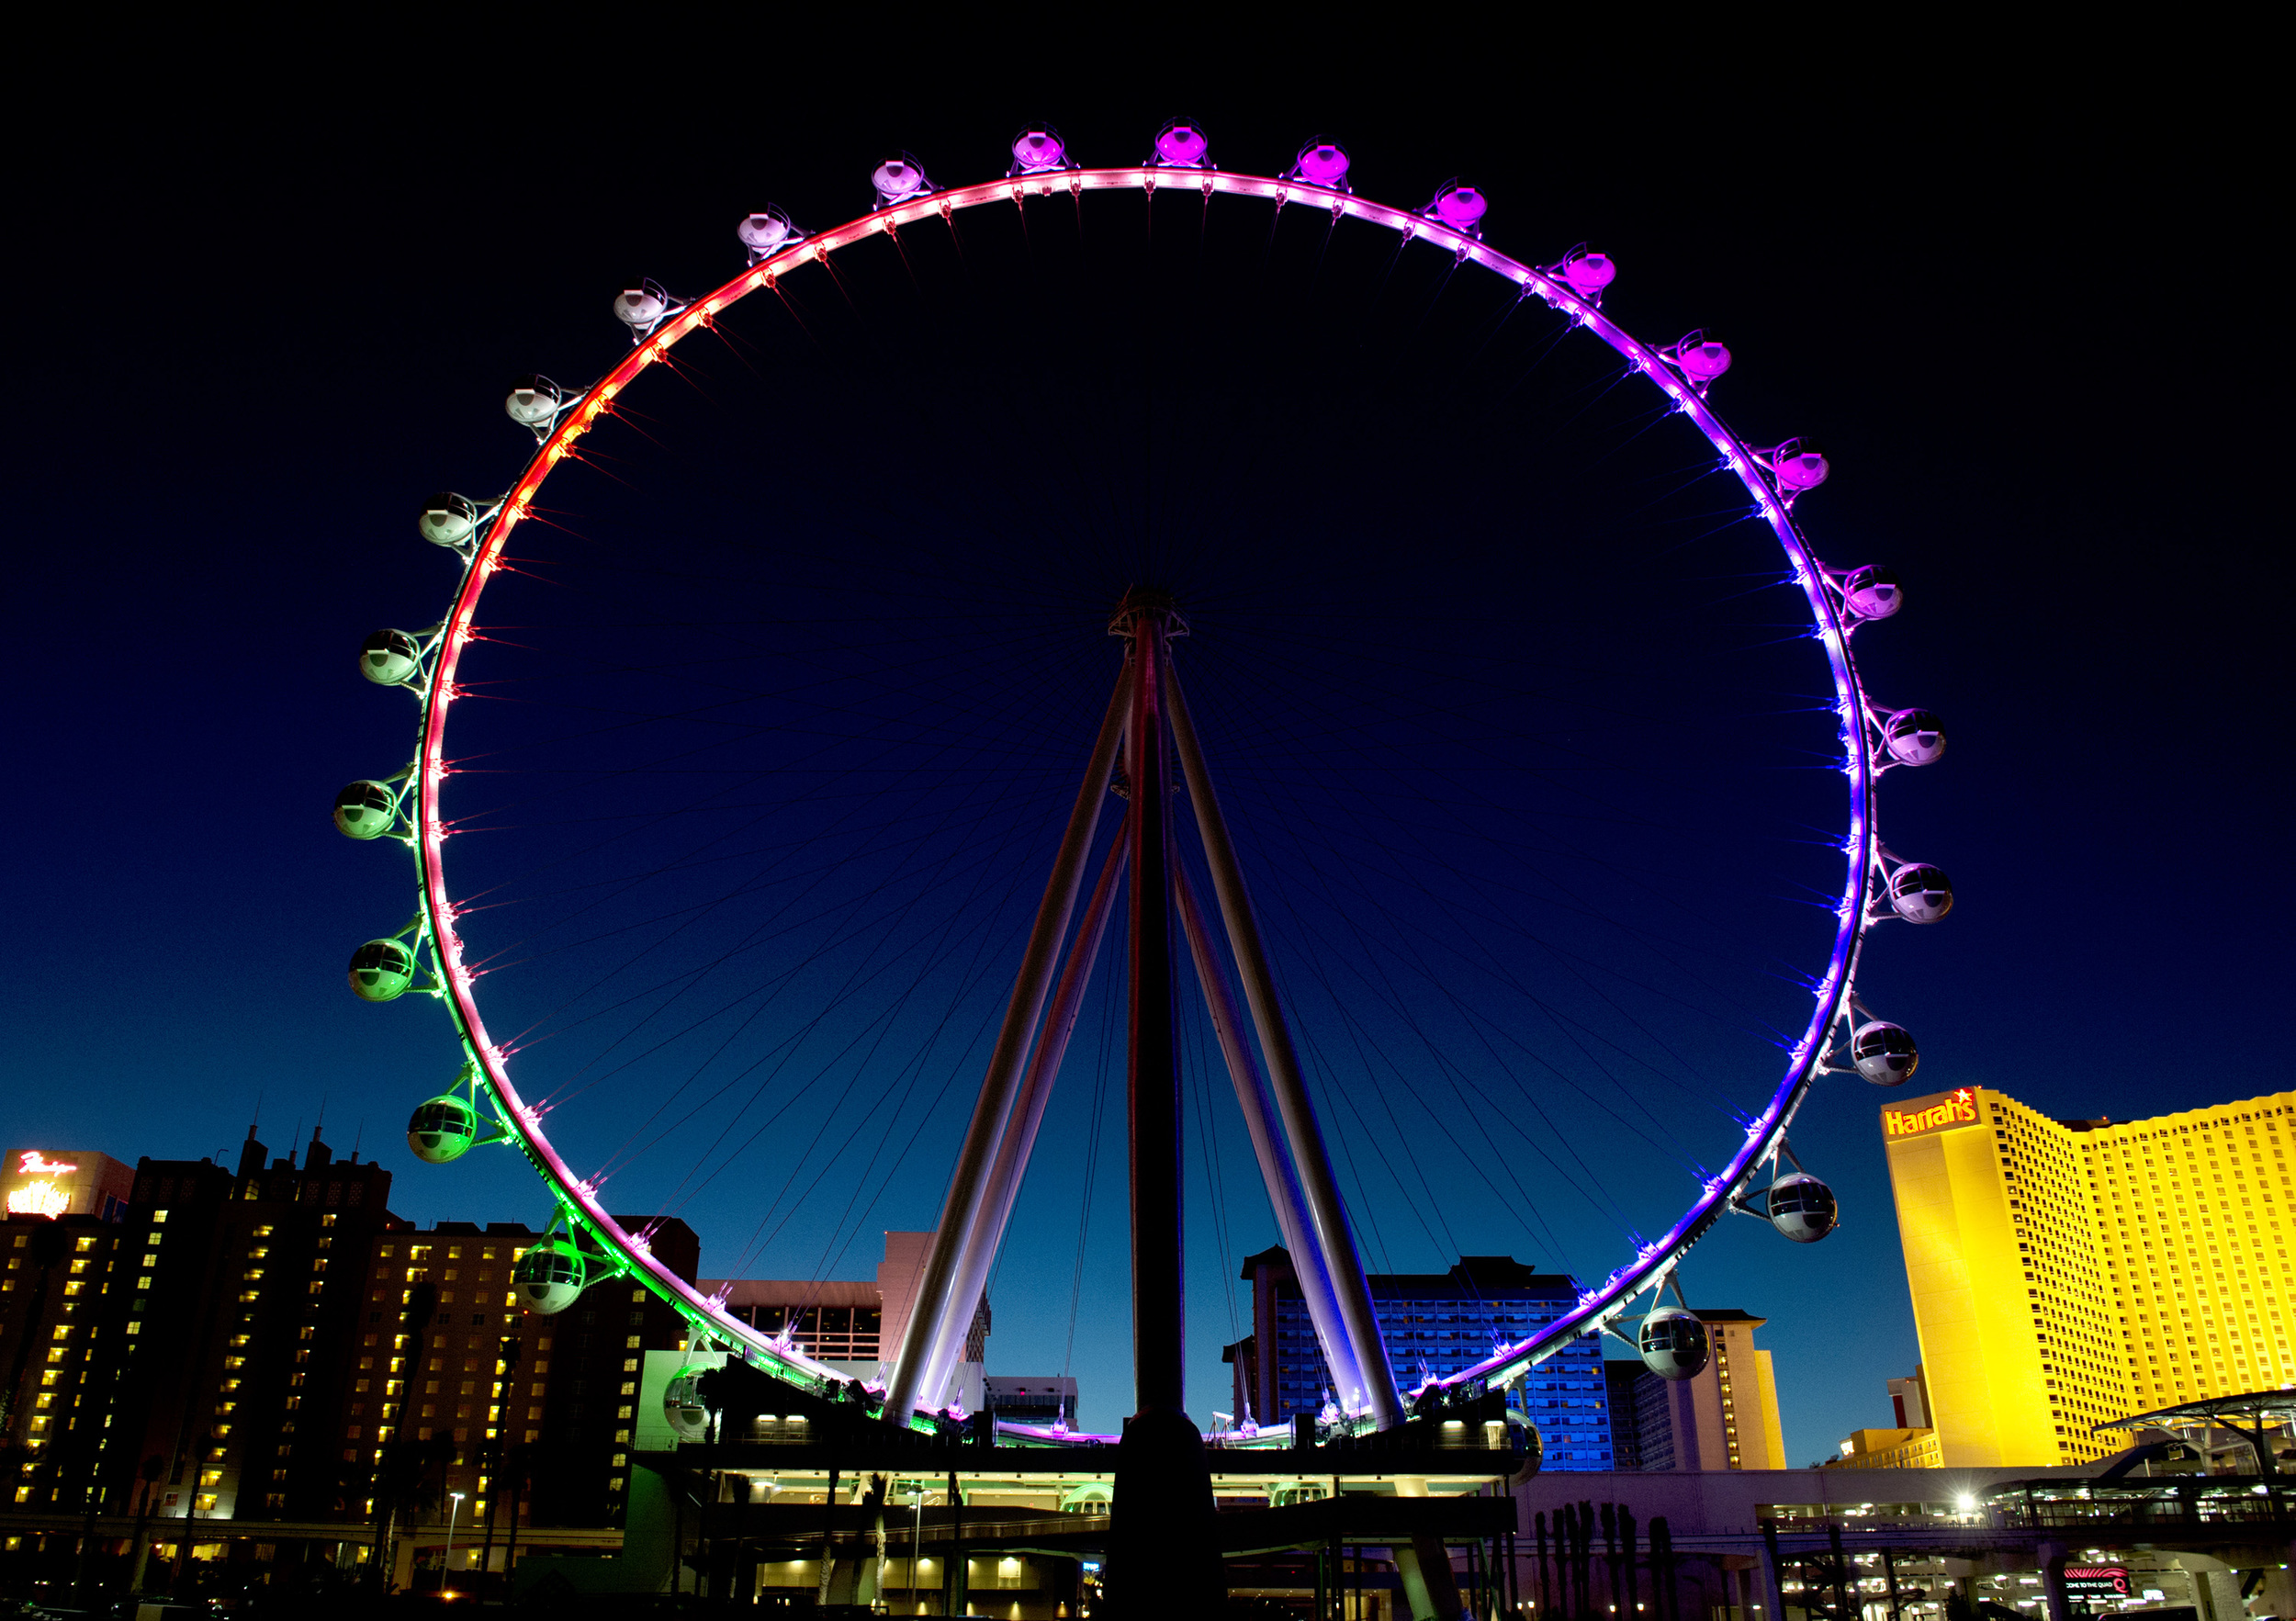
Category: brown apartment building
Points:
column 241, row 1335
column 555, row 1395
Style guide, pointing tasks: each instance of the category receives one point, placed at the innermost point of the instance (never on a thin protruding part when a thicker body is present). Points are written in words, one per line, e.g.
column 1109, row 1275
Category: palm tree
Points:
column 518, row 1467
column 491, row 1471
column 404, row 1491
column 493, row 1457
column 14, row 1458
column 203, row 1450
column 437, row 1453
column 398, row 1468
column 148, row 1475
column 346, row 1483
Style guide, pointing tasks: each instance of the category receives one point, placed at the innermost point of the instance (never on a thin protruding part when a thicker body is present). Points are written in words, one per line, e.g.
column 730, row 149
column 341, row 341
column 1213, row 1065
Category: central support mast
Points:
column 1163, row 1557
column 1152, row 1069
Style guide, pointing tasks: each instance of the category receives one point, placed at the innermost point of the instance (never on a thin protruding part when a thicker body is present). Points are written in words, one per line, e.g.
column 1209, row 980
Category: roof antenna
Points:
column 258, row 1120
column 321, row 1124
column 359, row 1137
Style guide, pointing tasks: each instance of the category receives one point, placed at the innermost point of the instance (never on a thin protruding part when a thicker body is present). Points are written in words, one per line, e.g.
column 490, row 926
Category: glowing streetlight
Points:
column 446, row 1569
column 916, row 1538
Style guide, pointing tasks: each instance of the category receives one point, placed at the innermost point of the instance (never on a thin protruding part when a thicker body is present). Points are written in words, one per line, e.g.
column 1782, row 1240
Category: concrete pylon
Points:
column 2051, row 1555
column 1744, row 1583
column 1163, row 1557
column 1422, row 1568
column 2278, row 1595
column 2215, row 1587
column 1769, row 1591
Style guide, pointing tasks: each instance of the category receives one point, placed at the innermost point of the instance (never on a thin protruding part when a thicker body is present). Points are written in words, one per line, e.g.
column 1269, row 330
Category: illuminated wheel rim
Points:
column 1770, row 483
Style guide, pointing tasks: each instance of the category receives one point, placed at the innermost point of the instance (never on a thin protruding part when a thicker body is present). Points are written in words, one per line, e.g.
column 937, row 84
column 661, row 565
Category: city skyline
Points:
column 2022, row 533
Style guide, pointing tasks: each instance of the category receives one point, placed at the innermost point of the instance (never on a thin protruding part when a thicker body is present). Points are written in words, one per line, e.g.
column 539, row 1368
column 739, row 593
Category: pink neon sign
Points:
column 40, row 1199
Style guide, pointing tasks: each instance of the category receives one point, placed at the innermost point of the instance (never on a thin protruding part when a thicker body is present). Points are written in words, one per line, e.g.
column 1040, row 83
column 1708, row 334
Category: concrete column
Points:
column 2051, row 1556
column 648, row 1526
column 1769, row 1599
column 1744, row 1590
column 1429, row 1590
column 2215, row 1587
column 1422, row 1568
column 2223, row 1587
column 2278, row 1595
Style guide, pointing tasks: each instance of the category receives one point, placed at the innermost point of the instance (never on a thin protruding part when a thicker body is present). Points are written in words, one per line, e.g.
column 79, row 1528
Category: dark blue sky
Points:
column 278, row 317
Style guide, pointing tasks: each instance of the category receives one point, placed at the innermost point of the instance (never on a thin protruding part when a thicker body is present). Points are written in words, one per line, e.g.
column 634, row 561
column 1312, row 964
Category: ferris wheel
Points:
column 1446, row 698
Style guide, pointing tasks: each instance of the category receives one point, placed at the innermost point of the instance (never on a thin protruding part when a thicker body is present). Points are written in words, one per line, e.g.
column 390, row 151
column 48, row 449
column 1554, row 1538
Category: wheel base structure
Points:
column 1164, row 1552
column 1297, row 1544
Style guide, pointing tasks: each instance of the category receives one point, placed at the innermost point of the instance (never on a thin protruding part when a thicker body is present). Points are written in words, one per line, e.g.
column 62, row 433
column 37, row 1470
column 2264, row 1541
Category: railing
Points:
column 2164, row 1513
column 2195, row 1515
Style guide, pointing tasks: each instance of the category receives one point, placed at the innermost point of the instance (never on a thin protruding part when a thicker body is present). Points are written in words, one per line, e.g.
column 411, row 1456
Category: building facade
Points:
column 1620, row 1376
column 2065, row 1273
column 1049, row 1400
column 515, row 1405
column 1910, row 1399
column 856, row 1326
column 1723, row 1418
column 1901, row 1449
column 51, row 1327
column 837, row 1321
column 1910, row 1442
column 234, row 1347
column 197, row 1335
column 1435, row 1324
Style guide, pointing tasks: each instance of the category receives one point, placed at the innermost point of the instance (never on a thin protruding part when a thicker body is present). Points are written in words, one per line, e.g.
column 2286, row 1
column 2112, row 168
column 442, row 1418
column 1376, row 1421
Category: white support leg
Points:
column 1333, row 1240
column 1028, row 1113
column 936, row 1300
column 1252, row 1096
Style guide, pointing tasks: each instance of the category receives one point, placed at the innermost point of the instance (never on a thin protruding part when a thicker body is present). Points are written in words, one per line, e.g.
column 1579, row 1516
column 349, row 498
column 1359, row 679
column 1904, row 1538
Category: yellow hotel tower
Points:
column 2067, row 1272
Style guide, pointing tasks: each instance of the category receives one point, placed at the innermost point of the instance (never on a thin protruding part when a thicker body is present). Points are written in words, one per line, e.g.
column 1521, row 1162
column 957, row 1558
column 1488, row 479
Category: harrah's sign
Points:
column 1955, row 1109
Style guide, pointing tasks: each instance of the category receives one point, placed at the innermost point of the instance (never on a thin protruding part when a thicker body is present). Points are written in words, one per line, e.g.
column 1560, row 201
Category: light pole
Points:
column 917, row 1546
column 446, row 1567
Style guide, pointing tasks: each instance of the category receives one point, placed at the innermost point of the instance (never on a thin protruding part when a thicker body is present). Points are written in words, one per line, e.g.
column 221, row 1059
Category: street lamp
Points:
column 917, row 1543
column 448, row 1568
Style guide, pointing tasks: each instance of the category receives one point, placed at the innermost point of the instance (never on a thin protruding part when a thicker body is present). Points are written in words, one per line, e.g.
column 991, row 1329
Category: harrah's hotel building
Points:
column 2067, row 1272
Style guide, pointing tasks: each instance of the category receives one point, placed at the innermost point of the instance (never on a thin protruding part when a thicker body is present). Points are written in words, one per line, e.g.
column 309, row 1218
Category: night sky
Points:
column 262, row 323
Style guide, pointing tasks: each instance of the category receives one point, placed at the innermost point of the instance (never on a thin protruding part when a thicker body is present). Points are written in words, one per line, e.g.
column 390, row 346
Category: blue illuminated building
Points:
column 1434, row 1324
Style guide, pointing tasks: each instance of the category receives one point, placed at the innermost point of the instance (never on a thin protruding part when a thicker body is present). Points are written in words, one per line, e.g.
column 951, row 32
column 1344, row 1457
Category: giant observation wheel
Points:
column 1191, row 814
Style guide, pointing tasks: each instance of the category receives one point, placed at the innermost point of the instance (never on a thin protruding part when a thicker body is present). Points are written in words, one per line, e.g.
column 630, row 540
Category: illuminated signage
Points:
column 67, row 1182
column 1955, row 1109
column 50, row 1198
column 2096, row 1581
column 39, row 1198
